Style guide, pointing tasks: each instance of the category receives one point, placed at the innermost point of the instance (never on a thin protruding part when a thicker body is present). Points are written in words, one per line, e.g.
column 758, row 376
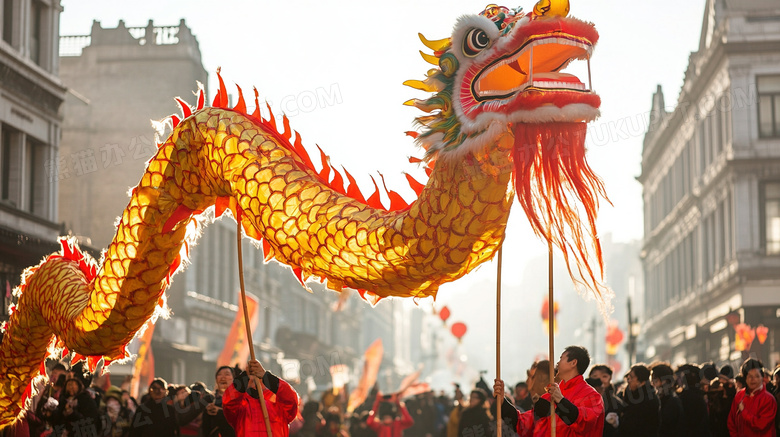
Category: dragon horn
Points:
column 433, row 60
column 437, row 45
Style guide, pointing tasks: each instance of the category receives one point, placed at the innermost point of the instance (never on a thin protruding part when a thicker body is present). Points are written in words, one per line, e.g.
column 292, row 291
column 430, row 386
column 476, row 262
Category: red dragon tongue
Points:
column 556, row 186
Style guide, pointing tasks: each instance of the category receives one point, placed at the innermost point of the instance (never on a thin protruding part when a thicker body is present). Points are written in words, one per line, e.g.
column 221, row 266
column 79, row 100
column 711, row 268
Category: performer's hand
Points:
column 254, row 368
column 212, row 409
column 555, row 392
column 498, row 388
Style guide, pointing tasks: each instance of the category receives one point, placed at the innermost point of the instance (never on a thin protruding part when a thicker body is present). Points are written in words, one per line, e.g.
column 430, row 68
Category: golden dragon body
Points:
column 225, row 157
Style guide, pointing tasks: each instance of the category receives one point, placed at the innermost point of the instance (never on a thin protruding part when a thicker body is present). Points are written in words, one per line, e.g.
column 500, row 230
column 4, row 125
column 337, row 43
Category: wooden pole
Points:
column 551, row 331
column 258, row 383
column 499, row 398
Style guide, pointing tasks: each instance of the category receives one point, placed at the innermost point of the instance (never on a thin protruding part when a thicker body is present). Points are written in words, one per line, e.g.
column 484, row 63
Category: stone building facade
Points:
column 711, row 183
column 31, row 97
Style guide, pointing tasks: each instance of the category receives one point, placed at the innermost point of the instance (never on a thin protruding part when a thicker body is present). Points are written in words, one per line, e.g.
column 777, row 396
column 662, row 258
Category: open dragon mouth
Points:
column 536, row 65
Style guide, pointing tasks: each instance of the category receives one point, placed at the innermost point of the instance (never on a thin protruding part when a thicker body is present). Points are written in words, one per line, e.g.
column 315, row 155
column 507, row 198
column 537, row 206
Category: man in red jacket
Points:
column 384, row 416
column 753, row 410
column 241, row 403
column 578, row 406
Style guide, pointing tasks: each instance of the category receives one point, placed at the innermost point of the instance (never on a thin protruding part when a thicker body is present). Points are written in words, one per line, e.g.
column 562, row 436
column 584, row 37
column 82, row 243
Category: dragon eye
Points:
column 476, row 41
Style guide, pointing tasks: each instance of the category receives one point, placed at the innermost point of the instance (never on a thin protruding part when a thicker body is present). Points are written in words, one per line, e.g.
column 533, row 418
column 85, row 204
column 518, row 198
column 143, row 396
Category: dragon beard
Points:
column 552, row 178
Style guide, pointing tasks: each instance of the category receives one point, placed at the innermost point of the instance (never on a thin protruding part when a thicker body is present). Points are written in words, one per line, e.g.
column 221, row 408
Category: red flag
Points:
column 372, row 359
column 236, row 346
column 409, row 381
column 143, row 368
column 416, row 389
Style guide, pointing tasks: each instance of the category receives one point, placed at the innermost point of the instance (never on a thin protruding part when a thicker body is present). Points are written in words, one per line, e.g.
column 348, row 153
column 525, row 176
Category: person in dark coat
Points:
column 156, row 415
column 474, row 419
column 213, row 422
column 696, row 419
column 640, row 416
column 600, row 377
column 671, row 415
column 77, row 413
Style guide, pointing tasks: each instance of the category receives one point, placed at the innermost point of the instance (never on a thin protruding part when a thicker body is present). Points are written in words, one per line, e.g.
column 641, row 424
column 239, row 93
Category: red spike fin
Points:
column 325, row 172
column 268, row 251
column 287, row 134
column 76, row 358
column 180, row 214
column 271, row 118
column 221, row 205
column 338, row 182
column 416, row 186
column 42, row 369
column 201, row 98
column 221, row 99
column 375, row 201
column 298, row 272
column 256, row 112
column 27, row 393
column 161, row 302
column 67, row 252
column 65, row 351
column 397, row 202
column 353, row 190
column 302, row 153
column 428, row 171
column 174, row 265
column 414, row 160
column 175, row 120
column 241, row 104
column 412, row 134
column 372, row 298
column 186, row 111
column 92, row 362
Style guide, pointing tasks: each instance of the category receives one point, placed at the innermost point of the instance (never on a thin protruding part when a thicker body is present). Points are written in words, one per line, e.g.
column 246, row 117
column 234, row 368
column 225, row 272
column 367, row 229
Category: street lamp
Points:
column 633, row 333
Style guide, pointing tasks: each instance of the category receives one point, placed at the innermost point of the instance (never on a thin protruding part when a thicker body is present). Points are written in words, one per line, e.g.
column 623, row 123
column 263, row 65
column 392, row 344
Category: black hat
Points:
column 483, row 385
column 709, row 371
column 727, row 371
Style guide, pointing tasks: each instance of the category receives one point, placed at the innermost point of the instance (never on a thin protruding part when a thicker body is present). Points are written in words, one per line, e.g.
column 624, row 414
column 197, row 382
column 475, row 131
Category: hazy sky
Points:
column 355, row 55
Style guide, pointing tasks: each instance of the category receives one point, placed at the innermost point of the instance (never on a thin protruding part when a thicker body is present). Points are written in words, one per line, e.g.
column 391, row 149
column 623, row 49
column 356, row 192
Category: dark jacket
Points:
column 671, row 418
column 612, row 404
column 83, row 419
column 217, row 425
column 474, row 421
column 154, row 418
column 640, row 416
column 696, row 420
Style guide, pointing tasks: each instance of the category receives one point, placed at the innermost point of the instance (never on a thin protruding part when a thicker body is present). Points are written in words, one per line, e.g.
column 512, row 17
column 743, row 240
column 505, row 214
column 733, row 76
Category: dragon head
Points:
column 501, row 72
column 503, row 67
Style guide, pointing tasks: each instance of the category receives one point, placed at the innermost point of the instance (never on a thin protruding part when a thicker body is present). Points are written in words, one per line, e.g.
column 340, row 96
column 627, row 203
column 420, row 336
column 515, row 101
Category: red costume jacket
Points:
column 758, row 416
column 589, row 420
column 244, row 413
column 396, row 428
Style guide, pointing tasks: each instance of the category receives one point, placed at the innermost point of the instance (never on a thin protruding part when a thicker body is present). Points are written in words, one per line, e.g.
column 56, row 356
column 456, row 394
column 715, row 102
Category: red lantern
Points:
column 546, row 314
column 614, row 337
column 458, row 330
column 744, row 337
column 761, row 332
column 444, row 314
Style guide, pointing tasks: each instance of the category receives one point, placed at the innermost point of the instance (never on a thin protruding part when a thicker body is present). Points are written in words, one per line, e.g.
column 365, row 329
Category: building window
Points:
column 36, row 32
column 769, row 106
column 8, row 21
column 10, row 170
column 37, row 192
column 772, row 218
